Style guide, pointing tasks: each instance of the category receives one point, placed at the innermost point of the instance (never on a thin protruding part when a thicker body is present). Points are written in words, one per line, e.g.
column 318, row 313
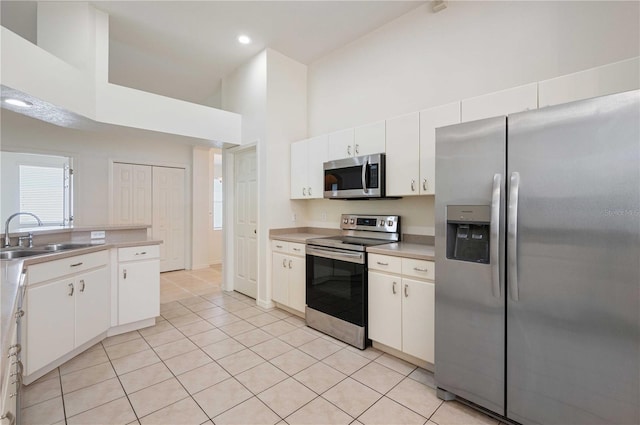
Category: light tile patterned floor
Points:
column 214, row 357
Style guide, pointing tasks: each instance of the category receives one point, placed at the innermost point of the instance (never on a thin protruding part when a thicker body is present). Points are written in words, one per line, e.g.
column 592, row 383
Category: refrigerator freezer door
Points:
column 470, row 295
column 573, row 331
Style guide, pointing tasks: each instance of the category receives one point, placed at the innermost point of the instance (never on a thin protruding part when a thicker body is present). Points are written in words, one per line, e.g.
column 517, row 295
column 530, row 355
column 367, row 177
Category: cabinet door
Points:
column 299, row 154
column 430, row 119
column 340, row 144
column 418, row 318
column 92, row 305
column 142, row 194
column 138, row 291
column 370, row 139
column 50, row 323
column 403, row 155
column 317, row 153
column 385, row 309
column 297, row 282
column 503, row 102
column 603, row 80
column 122, row 210
column 280, row 278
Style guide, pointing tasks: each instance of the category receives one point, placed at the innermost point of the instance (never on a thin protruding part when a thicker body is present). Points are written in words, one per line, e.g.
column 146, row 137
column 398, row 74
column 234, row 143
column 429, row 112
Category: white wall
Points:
column 424, row 59
column 92, row 154
column 270, row 93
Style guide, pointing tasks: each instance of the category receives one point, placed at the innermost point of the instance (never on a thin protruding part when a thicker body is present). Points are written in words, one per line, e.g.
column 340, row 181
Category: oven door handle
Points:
column 335, row 254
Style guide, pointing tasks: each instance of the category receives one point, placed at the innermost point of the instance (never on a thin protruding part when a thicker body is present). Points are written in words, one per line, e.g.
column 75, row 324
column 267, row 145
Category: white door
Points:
column 132, row 195
column 245, row 229
column 169, row 216
column 138, row 291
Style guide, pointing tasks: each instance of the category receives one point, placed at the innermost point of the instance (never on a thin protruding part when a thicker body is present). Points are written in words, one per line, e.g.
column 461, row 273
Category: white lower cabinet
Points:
column 288, row 274
column 138, row 283
column 402, row 305
column 65, row 312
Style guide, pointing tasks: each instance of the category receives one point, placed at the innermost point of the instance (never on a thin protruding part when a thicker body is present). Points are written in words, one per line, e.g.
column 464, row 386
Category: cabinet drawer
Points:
column 66, row 266
column 418, row 268
column 279, row 246
column 134, row 253
column 297, row 248
column 385, row 263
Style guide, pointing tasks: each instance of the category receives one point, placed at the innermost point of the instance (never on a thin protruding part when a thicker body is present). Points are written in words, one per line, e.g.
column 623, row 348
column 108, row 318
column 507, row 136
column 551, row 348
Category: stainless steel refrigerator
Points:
column 538, row 260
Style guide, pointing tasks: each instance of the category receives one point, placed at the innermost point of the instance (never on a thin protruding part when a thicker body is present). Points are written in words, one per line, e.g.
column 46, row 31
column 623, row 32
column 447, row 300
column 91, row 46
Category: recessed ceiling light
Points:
column 18, row 102
column 244, row 39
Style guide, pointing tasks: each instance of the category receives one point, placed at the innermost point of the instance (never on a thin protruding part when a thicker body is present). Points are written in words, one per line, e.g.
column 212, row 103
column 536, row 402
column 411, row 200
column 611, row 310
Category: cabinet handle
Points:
column 284, row 263
column 418, row 269
column 349, row 150
column 82, row 283
column 124, row 274
column 76, row 264
column 393, row 288
column 357, row 148
column 17, row 347
column 19, row 314
column 279, row 246
column 141, row 253
column 424, row 184
column 296, row 249
column 309, row 191
column 71, row 289
column 380, row 263
column 413, row 185
column 289, row 263
column 406, row 290
column 304, row 191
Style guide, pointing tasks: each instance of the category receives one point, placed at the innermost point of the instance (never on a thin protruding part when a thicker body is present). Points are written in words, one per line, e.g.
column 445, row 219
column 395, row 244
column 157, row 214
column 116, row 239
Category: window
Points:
column 42, row 192
column 38, row 184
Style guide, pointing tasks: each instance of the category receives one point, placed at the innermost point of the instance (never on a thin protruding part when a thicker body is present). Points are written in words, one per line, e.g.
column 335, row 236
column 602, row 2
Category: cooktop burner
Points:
column 359, row 232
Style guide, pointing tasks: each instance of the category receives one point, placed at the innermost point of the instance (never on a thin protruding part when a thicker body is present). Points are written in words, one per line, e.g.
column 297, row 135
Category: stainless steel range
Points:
column 337, row 276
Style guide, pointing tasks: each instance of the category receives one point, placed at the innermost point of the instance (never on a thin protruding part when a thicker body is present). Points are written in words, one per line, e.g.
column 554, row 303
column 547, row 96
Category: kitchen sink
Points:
column 18, row 252
column 11, row 254
column 66, row 245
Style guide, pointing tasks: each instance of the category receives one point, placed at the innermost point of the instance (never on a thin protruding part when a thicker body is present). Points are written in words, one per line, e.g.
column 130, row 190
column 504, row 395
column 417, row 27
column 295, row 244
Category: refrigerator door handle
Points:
column 512, row 236
column 495, row 235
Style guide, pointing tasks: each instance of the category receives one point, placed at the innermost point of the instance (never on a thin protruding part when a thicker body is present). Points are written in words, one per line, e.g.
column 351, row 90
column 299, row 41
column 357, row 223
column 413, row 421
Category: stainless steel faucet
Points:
column 7, row 241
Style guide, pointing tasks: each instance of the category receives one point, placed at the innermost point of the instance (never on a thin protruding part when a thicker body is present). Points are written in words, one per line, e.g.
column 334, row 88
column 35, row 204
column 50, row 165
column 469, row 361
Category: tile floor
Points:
column 214, row 357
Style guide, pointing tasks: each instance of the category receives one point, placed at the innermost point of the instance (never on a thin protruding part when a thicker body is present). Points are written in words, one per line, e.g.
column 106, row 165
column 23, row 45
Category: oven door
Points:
column 336, row 283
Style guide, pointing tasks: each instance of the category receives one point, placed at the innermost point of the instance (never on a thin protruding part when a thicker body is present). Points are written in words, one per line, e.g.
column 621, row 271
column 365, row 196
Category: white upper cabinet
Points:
column 307, row 174
column 603, row 80
column 411, row 149
column 517, row 99
column 430, row 120
column 370, row 139
column 341, row 144
column 364, row 140
column 403, row 155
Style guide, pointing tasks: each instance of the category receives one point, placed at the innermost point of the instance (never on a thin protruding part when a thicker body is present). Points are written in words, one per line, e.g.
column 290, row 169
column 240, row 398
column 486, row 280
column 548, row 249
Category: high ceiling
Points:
column 182, row 49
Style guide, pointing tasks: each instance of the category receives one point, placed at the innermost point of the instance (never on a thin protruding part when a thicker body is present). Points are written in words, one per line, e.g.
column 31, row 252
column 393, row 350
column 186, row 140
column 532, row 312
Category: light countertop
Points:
column 405, row 249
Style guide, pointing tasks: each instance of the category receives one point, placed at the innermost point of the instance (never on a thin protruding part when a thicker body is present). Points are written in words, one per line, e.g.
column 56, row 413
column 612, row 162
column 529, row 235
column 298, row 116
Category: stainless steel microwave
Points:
column 360, row 177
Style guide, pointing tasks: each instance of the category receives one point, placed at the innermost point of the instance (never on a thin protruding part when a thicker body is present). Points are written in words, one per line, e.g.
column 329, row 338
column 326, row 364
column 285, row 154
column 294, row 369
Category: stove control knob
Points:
column 381, row 222
column 390, row 223
column 352, row 221
column 345, row 221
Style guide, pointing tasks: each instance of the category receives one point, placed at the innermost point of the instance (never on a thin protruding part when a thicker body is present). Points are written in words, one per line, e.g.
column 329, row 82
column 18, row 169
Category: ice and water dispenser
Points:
column 468, row 230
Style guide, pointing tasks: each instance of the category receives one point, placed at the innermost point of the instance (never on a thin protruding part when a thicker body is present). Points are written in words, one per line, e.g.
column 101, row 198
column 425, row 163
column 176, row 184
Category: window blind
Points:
column 42, row 193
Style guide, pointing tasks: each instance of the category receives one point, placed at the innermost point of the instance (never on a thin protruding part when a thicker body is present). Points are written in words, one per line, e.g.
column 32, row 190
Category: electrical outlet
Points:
column 98, row 235
column 324, row 216
column 294, row 216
